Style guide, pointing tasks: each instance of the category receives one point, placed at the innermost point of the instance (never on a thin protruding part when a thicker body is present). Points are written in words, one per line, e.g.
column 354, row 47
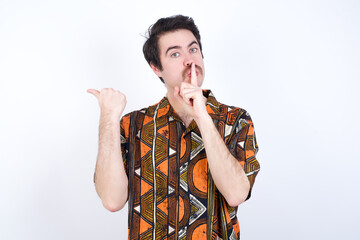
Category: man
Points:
column 185, row 163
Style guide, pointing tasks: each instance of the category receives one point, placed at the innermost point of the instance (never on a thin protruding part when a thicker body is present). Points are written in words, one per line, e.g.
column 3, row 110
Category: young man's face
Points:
column 178, row 50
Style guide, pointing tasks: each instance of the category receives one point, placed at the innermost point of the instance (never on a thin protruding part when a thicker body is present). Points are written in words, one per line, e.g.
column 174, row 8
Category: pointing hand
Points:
column 112, row 102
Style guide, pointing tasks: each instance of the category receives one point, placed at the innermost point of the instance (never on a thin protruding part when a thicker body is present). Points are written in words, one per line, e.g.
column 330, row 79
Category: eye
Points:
column 193, row 50
column 175, row 54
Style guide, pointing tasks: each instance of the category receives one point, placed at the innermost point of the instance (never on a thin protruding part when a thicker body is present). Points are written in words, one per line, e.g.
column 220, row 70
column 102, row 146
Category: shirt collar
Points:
column 212, row 106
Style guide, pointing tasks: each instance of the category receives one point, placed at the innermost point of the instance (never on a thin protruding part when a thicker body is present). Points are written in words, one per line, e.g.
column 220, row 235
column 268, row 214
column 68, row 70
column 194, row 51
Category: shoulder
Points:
column 160, row 108
column 149, row 111
column 127, row 119
column 233, row 114
column 138, row 114
column 228, row 113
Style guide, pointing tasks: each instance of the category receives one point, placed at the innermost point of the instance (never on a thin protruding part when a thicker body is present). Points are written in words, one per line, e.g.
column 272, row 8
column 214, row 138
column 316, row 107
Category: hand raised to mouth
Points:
column 188, row 72
column 191, row 96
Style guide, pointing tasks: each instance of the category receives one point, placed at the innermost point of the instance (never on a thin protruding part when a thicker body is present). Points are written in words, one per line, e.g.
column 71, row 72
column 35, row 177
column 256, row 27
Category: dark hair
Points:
column 162, row 26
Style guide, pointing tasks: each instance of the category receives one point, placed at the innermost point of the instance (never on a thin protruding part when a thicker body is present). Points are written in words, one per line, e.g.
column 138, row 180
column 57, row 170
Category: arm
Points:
column 110, row 178
column 226, row 171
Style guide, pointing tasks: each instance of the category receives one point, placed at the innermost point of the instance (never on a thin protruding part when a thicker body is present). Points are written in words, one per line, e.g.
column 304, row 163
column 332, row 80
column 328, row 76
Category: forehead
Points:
column 181, row 38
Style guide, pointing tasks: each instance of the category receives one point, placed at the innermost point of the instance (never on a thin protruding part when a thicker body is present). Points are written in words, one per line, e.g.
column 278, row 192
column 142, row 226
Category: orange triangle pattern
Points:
column 163, row 111
column 147, row 119
column 164, row 206
column 144, row 226
column 164, row 131
column 163, row 167
column 144, row 149
column 145, row 187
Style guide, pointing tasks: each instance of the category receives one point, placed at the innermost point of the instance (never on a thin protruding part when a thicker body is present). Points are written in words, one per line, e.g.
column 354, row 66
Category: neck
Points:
column 179, row 108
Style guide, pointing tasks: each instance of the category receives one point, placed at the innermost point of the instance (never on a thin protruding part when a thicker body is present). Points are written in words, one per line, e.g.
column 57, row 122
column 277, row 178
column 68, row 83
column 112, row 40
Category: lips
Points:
column 187, row 72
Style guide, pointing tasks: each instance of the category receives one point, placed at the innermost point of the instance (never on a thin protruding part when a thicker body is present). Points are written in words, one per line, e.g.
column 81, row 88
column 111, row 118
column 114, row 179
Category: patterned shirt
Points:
column 171, row 192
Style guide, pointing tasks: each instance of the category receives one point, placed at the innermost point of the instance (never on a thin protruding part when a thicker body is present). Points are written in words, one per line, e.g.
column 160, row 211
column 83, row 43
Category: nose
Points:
column 188, row 61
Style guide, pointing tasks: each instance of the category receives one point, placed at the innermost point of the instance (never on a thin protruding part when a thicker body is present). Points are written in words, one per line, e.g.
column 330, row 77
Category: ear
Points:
column 156, row 70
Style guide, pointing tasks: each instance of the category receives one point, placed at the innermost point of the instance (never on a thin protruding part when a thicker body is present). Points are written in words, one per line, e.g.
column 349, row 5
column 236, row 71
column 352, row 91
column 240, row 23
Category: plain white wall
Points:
column 294, row 65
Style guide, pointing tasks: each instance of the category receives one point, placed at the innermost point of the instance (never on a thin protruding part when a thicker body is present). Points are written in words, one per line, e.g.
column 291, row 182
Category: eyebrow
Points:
column 178, row 47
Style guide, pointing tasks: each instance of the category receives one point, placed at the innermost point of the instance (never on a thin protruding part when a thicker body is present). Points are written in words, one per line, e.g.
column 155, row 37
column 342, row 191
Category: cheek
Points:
column 200, row 83
column 200, row 63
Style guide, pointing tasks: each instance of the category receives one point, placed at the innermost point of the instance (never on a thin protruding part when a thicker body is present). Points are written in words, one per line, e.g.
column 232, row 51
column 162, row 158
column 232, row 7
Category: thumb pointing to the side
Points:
column 94, row 92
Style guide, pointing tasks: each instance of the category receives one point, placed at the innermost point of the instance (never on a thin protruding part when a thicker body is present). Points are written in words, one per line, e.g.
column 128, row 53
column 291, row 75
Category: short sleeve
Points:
column 243, row 146
column 124, row 140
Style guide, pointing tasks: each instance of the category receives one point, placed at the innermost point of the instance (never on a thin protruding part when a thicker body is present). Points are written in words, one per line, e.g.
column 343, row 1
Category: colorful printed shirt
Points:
column 171, row 191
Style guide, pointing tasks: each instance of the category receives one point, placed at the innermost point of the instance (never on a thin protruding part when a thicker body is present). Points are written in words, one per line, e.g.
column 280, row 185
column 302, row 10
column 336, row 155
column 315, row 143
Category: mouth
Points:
column 187, row 72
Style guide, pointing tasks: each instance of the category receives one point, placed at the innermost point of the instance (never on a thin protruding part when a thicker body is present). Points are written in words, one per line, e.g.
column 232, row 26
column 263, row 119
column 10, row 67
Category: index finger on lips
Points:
column 193, row 75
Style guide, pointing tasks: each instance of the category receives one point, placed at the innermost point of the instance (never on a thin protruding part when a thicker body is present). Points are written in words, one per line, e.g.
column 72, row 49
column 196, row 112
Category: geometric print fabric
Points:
column 171, row 192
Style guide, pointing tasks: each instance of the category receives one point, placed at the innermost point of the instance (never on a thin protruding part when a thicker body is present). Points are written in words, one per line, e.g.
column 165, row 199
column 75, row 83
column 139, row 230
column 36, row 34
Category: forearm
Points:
column 111, row 181
column 226, row 171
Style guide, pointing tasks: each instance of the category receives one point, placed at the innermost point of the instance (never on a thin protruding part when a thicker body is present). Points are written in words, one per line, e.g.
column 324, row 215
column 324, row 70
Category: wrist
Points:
column 203, row 119
column 110, row 117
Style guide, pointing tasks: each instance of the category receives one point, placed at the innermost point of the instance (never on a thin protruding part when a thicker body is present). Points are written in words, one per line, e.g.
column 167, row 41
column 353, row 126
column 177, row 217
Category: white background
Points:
column 294, row 65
